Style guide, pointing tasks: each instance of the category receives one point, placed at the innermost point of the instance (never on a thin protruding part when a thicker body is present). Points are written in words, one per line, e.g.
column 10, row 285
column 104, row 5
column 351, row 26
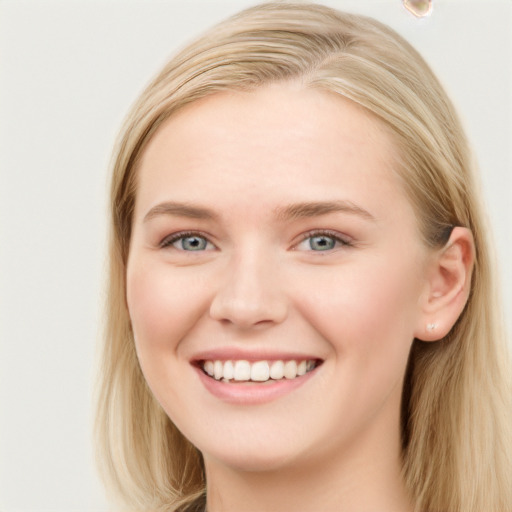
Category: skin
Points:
column 258, row 285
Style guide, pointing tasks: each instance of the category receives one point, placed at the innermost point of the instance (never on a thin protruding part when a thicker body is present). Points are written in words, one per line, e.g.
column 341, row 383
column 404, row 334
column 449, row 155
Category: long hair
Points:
column 456, row 399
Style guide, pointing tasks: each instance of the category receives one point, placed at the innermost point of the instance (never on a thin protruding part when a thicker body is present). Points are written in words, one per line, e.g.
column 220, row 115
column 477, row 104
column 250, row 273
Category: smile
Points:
column 258, row 371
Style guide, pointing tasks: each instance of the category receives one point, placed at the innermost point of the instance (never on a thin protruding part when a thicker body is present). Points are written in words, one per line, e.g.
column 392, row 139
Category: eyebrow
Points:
column 179, row 210
column 315, row 209
column 290, row 212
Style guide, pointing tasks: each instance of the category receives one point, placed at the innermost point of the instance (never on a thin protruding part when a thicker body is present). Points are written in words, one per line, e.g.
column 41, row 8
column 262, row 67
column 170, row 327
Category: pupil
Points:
column 193, row 243
column 322, row 243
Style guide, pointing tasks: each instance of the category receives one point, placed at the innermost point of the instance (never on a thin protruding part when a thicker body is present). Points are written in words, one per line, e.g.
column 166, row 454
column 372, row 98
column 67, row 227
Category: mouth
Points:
column 260, row 372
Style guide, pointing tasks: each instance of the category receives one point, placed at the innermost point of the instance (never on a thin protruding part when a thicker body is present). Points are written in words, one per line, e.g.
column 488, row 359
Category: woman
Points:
column 302, row 313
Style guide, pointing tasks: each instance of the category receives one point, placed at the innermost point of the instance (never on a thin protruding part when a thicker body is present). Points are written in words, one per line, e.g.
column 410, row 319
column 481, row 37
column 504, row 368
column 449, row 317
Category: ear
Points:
column 447, row 286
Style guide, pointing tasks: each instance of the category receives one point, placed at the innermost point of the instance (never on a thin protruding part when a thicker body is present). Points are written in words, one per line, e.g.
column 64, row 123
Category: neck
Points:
column 366, row 477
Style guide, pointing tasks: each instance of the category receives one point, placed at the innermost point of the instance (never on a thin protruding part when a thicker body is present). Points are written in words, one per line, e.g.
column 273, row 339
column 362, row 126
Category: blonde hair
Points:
column 456, row 398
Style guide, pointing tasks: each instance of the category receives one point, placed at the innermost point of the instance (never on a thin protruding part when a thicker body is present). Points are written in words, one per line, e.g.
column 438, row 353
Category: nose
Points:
column 250, row 293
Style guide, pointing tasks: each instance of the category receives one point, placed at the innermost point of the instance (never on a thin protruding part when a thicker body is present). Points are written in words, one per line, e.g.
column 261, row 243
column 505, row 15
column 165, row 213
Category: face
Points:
column 274, row 276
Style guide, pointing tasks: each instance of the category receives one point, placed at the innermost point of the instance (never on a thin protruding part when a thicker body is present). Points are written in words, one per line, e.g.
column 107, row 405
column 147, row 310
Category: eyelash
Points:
column 171, row 239
column 328, row 234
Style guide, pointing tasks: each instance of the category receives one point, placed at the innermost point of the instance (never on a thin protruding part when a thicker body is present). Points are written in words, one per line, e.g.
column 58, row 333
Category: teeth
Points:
column 302, row 368
column 242, row 370
column 277, row 370
column 290, row 369
column 218, row 369
column 259, row 371
column 229, row 370
column 208, row 368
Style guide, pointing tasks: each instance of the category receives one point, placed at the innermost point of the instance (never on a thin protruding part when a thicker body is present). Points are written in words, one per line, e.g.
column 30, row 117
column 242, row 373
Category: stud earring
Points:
column 431, row 327
column 419, row 8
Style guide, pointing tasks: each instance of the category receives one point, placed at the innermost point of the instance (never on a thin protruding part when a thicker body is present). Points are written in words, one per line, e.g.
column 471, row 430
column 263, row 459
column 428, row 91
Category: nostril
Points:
column 245, row 313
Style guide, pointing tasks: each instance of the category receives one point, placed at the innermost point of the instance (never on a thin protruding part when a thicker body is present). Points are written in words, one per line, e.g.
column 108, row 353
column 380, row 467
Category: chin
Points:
column 254, row 458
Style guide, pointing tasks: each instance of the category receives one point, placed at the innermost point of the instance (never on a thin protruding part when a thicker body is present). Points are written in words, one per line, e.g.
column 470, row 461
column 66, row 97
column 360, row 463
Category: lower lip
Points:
column 252, row 393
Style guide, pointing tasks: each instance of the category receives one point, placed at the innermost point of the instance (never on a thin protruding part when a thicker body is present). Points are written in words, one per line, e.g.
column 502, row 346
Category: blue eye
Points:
column 191, row 242
column 320, row 242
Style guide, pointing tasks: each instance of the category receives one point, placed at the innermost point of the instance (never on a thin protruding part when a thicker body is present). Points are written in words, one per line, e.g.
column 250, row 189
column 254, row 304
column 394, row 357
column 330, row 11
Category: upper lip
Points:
column 237, row 354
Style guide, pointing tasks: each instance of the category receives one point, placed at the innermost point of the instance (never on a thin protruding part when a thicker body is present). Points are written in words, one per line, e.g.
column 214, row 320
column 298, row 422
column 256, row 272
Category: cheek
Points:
column 163, row 305
column 365, row 310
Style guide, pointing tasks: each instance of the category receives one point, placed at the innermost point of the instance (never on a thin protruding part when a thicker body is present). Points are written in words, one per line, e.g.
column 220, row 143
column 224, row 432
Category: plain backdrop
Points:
column 69, row 70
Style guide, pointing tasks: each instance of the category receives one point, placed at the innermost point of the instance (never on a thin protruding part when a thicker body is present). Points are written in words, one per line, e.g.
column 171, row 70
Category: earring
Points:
column 419, row 8
column 431, row 327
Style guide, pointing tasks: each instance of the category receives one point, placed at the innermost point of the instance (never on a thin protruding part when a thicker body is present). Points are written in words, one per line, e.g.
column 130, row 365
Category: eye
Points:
column 192, row 242
column 321, row 241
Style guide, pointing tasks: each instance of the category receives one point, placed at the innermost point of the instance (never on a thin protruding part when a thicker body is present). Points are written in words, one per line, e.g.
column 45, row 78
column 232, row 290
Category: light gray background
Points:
column 68, row 72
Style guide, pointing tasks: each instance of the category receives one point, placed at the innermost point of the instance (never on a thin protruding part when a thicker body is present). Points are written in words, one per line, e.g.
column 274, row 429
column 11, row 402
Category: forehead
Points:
column 280, row 142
